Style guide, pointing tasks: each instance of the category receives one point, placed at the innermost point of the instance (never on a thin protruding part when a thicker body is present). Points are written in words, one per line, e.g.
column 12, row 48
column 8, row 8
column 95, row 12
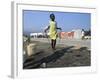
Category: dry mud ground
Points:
column 63, row 56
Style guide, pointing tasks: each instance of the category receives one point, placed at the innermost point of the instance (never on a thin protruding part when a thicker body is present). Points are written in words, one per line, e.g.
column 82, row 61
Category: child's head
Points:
column 52, row 17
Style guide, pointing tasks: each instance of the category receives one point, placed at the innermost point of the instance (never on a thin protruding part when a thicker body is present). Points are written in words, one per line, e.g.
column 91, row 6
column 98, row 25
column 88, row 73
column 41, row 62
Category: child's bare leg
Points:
column 54, row 44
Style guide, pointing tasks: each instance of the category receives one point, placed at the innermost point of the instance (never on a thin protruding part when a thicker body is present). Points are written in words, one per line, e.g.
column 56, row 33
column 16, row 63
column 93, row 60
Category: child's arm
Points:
column 59, row 28
column 46, row 29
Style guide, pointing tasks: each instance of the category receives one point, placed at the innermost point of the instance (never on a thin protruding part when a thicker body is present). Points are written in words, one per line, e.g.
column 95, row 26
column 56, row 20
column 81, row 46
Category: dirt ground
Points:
column 63, row 56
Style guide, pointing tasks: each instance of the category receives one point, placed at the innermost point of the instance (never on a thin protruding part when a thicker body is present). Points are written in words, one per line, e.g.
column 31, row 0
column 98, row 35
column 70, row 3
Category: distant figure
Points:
column 83, row 33
column 52, row 30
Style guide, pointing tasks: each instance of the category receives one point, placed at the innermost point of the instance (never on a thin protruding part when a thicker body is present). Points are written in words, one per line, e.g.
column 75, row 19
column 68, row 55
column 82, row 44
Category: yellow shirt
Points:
column 53, row 30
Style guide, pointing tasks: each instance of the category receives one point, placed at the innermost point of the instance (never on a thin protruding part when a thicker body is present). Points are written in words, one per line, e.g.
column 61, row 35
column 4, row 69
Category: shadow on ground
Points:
column 62, row 57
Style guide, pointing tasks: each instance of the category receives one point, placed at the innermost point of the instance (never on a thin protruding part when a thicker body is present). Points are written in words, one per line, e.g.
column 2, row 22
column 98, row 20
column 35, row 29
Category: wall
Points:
column 5, row 40
column 67, row 35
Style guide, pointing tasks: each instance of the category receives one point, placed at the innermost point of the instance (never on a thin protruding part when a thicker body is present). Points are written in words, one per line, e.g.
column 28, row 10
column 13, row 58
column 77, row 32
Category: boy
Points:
column 52, row 30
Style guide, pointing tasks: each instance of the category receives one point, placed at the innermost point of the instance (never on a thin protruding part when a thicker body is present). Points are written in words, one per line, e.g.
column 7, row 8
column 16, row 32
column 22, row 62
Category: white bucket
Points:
column 31, row 49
